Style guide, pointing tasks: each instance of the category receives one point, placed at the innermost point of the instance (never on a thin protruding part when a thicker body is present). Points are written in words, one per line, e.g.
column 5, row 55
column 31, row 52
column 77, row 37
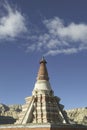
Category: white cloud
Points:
column 56, row 38
column 62, row 51
column 75, row 32
column 12, row 23
column 31, row 48
column 60, row 38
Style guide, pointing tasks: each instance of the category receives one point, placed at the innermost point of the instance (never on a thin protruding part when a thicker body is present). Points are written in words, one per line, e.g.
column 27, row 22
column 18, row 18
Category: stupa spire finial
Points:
column 43, row 60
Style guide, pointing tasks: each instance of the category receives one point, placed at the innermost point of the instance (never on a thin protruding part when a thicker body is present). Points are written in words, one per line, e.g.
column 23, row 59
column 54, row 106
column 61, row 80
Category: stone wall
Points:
column 43, row 127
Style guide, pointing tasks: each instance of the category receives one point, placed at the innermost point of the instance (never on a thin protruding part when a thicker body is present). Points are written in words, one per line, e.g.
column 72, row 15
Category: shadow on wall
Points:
column 7, row 120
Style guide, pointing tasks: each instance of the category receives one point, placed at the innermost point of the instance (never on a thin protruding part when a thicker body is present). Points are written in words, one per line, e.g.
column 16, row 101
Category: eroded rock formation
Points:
column 78, row 115
column 9, row 114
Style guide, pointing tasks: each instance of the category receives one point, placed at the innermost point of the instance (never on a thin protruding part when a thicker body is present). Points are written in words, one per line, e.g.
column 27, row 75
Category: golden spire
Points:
column 42, row 73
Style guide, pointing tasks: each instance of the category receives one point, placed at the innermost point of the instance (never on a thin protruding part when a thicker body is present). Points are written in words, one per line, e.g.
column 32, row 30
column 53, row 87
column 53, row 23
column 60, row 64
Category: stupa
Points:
column 42, row 110
column 42, row 106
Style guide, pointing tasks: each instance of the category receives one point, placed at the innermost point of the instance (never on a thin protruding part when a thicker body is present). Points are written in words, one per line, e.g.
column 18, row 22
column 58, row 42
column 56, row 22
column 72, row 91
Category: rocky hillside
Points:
column 9, row 114
column 78, row 115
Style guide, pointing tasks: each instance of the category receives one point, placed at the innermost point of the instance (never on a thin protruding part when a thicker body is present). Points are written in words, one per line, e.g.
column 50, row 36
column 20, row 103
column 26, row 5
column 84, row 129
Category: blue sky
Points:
column 56, row 29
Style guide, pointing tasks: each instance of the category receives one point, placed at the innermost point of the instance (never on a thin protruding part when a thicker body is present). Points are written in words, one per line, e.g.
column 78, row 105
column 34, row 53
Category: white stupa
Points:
column 42, row 106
